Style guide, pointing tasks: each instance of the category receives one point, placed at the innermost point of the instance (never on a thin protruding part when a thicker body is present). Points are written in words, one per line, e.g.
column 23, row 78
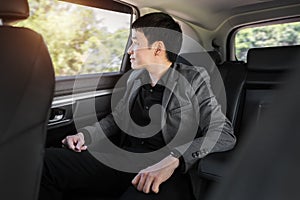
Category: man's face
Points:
column 141, row 54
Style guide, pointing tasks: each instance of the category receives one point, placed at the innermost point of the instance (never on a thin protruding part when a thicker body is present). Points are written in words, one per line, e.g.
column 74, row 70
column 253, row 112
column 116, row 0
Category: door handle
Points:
column 57, row 115
column 56, row 118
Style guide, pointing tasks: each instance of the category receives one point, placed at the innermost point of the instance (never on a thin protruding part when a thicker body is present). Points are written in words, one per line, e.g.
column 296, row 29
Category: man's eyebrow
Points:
column 134, row 37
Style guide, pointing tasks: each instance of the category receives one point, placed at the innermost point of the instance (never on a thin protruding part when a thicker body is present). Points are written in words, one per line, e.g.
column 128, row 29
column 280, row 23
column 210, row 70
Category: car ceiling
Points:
column 210, row 14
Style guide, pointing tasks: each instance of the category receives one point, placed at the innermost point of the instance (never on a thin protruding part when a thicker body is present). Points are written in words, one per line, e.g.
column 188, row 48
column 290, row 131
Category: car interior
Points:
column 27, row 81
column 45, row 99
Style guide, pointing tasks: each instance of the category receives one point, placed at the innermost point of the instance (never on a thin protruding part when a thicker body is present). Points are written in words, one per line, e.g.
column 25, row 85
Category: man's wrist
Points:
column 81, row 135
column 176, row 154
column 175, row 161
column 86, row 136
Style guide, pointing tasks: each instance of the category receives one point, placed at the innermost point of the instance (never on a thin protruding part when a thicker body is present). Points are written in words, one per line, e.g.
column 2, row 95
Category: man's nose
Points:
column 129, row 51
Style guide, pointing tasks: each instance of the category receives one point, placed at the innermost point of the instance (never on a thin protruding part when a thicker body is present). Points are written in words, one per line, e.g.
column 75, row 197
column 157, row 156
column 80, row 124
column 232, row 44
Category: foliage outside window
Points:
column 286, row 34
column 80, row 39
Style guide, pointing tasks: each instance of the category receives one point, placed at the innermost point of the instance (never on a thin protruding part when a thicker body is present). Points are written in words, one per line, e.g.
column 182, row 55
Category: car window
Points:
column 80, row 39
column 266, row 36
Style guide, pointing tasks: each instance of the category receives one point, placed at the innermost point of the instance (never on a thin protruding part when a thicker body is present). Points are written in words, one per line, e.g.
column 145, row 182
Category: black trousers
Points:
column 70, row 173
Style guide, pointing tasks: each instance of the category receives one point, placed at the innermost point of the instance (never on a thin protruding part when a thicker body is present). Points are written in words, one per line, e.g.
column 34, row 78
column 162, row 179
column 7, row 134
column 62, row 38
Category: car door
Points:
column 87, row 41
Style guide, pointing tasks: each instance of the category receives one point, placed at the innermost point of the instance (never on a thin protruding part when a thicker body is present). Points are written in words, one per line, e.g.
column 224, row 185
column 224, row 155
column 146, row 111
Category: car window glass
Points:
column 286, row 34
column 80, row 39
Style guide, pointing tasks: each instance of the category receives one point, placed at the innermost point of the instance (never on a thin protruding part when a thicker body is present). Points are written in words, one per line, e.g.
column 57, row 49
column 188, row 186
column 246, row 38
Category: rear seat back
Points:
column 271, row 59
column 209, row 61
column 250, row 89
column 267, row 70
column 206, row 59
column 231, row 75
column 234, row 77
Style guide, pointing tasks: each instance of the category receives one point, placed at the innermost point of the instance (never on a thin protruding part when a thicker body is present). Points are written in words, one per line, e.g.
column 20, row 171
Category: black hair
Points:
column 161, row 27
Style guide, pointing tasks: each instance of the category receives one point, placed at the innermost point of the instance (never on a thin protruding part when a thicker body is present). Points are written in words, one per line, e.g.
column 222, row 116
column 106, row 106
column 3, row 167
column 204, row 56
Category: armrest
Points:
column 214, row 166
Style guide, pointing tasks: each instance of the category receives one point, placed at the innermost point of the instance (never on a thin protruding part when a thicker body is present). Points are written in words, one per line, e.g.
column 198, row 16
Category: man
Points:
column 171, row 137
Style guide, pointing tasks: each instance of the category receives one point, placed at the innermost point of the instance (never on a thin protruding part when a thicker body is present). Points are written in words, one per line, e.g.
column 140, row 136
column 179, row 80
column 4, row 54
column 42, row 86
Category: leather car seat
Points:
column 27, row 86
column 267, row 163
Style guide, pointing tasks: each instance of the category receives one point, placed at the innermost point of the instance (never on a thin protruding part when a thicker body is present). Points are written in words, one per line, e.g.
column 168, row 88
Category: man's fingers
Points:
column 71, row 142
column 63, row 142
column 84, row 147
column 155, row 185
column 136, row 180
column 148, row 183
column 142, row 181
column 74, row 142
column 79, row 145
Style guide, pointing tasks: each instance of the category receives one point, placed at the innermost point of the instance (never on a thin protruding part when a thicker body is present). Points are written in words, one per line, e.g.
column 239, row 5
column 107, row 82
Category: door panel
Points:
column 72, row 112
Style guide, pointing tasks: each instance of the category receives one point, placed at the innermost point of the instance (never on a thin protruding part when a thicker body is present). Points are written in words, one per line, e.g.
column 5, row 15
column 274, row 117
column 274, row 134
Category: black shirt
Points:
column 147, row 97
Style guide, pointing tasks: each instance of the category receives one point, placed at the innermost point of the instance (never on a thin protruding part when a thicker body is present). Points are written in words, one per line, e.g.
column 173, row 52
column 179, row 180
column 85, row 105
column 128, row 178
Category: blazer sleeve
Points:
column 107, row 126
column 215, row 132
column 96, row 132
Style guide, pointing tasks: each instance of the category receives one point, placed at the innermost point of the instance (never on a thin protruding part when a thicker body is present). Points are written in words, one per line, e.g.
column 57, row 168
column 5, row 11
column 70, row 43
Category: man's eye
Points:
column 135, row 42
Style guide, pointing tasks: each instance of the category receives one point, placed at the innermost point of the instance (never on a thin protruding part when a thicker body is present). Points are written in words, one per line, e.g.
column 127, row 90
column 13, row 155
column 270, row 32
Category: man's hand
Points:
column 75, row 142
column 153, row 176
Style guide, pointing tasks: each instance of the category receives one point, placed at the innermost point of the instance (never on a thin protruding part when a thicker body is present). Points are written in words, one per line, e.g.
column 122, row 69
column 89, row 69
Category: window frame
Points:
column 65, row 84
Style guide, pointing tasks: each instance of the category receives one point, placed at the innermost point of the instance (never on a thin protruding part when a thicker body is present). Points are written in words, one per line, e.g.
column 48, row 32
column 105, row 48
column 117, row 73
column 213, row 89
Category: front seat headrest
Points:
column 13, row 10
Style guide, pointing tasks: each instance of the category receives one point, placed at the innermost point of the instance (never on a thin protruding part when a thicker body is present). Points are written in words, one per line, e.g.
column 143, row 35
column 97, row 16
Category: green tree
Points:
column 77, row 42
column 266, row 36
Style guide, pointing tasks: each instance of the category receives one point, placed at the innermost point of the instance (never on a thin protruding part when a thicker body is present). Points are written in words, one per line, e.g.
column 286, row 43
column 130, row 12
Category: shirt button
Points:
column 142, row 142
column 151, row 90
column 146, row 107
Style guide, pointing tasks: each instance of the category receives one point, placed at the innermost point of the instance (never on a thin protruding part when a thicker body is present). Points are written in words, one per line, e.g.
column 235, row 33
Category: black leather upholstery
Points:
column 209, row 61
column 27, row 86
column 273, row 58
column 267, row 165
column 267, row 70
column 234, row 74
column 250, row 90
column 13, row 10
column 206, row 59
column 232, row 77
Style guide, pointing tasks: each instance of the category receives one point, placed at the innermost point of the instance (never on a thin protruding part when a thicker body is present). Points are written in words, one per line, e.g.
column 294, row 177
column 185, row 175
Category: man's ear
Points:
column 159, row 47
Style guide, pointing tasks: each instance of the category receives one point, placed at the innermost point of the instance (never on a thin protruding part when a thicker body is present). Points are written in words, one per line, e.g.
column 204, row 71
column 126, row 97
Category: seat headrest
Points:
column 273, row 58
column 199, row 58
column 13, row 10
column 215, row 55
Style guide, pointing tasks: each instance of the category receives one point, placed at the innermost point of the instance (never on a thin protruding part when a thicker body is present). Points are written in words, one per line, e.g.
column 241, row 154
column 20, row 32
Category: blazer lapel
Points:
column 134, row 91
column 137, row 83
column 170, row 82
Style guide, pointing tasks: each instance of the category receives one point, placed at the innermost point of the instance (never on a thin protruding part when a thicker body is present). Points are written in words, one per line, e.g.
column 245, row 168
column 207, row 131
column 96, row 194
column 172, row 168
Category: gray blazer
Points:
column 194, row 124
